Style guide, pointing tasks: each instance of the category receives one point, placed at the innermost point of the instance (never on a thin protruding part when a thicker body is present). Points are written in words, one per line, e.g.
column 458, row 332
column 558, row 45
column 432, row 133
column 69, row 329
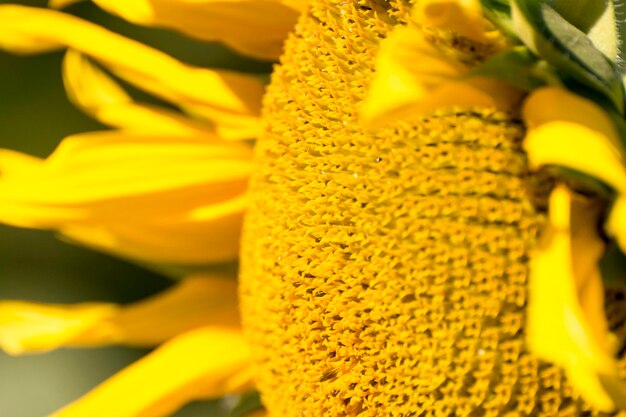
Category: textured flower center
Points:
column 384, row 271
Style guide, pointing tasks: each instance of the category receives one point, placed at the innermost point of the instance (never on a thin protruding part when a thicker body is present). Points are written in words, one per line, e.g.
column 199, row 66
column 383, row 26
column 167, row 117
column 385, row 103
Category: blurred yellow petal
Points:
column 463, row 17
column 553, row 104
column 253, row 27
column 30, row 327
column 413, row 76
column 137, row 196
column 210, row 93
column 570, row 131
column 183, row 240
column 566, row 319
column 204, row 363
column 197, row 301
column 575, row 146
column 90, row 89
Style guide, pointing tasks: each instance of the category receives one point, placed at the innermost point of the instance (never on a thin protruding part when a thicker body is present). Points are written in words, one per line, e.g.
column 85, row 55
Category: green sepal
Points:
column 248, row 402
column 519, row 67
column 498, row 12
column 567, row 48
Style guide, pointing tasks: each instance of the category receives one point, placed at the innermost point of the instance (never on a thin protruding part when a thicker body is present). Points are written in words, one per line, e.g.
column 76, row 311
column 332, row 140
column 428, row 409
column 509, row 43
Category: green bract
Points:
column 547, row 33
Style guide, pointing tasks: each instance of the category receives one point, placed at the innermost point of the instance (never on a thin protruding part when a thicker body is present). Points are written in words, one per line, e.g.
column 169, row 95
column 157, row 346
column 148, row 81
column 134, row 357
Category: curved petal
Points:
column 554, row 104
column 204, row 363
column 137, row 196
column 93, row 91
column 30, row 327
column 195, row 302
column 575, row 146
column 566, row 319
column 413, row 76
column 212, row 94
column 256, row 28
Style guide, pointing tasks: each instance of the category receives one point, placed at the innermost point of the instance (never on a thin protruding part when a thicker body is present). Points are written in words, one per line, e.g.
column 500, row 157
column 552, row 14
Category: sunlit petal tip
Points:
column 32, row 328
column 567, row 324
column 204, row 363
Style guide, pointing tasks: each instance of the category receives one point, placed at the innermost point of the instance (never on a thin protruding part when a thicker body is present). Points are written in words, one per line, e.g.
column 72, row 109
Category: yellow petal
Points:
column 575, row 146
column 29, row 327
column 253, row 27
column 137, row 196
column 463, row 17
column 566, row 319
column 204, row 363
column 90, row 89
column 197, row 301
column 184, row 240
column 570, row 131
column 553, row 104
column 212, row 94
column 413, row 76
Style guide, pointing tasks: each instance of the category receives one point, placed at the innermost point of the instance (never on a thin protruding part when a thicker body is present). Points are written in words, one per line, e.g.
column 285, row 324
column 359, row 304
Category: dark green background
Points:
column 34, row 116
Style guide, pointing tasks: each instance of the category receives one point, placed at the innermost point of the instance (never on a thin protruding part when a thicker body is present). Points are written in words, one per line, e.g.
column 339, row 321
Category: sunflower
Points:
column 431, row 188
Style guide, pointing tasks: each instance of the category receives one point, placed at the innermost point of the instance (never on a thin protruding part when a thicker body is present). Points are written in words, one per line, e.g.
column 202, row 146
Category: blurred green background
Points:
column 34, row 116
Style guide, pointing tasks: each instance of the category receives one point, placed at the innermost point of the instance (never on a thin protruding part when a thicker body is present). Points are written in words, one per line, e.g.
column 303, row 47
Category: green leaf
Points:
column 519, row 67
column 567, row 48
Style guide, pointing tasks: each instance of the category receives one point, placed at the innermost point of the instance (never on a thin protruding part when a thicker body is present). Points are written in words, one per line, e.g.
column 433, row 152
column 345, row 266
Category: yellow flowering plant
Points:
column 420, row 221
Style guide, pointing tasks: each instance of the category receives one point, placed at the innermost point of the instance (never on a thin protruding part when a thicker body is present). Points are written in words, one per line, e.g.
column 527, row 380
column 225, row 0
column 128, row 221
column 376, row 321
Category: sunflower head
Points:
column 385, row 270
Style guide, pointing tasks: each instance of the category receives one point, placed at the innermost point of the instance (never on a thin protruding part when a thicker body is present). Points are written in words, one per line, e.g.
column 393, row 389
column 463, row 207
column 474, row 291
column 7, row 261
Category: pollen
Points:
column 384, row 271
